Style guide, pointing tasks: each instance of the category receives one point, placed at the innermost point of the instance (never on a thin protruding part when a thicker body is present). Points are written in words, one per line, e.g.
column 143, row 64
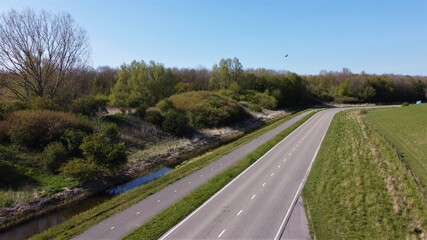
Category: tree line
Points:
column 44, row 71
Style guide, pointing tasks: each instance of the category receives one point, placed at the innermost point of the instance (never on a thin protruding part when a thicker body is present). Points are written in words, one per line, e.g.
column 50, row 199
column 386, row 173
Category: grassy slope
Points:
column 358, row 188
column 406, row 127
column 30, row 182
column 165, row 220
column 84, row 220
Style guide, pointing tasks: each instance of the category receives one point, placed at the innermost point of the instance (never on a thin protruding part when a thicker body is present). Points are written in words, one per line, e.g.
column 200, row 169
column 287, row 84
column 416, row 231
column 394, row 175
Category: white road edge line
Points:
column 247, row 169
column 281, row 228
column 221, row 233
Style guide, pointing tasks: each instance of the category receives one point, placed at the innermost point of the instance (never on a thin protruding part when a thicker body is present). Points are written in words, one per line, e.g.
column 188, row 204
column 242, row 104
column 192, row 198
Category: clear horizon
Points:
column 378, row 37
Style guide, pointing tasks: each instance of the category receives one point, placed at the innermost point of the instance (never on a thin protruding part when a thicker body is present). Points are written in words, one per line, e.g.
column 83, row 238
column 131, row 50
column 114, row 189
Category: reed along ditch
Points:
column 37, row 225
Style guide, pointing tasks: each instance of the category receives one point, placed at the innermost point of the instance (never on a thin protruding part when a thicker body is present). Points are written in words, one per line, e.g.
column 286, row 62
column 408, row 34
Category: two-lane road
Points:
column 257, row 203
column 122, row 223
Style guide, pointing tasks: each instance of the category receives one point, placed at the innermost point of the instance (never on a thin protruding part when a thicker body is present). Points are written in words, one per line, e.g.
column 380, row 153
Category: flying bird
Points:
column 286, row 55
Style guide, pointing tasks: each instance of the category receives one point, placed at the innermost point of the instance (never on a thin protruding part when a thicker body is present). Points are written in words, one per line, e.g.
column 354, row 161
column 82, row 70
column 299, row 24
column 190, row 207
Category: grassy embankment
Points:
column 406, row 127
column 84, row 220
column 165, row 220
column 359, row 189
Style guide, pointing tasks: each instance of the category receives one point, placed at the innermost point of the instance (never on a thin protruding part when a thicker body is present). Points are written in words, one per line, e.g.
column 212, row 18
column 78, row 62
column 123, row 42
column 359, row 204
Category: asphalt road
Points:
column 257, row 204
column 124, row 222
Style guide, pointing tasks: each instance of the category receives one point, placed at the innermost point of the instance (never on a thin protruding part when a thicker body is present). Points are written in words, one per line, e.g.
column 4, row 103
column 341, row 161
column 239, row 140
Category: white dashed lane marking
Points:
column 240, row 212
column 253, row 196
column 221, row 233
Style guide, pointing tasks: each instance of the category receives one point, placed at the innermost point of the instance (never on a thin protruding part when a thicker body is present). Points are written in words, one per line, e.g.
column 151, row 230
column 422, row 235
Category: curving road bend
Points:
column 124, row 222
column 257, row 204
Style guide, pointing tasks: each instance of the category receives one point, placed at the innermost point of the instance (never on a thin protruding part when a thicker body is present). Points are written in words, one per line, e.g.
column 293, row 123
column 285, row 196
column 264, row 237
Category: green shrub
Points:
column 175, row 122
column 81, row 170
column 36, row 129
column 90, row 106
column 54, row 155
column 405, row 104
column 43, row 103
column 11, row 177
column 110, row 130
column 140, row 111
column 254, row 107
column 165, row 105
column 266, row 101
column 14, row 105
column 207, row 109
column 154, row 117
column 100, row 149
column 72, row 139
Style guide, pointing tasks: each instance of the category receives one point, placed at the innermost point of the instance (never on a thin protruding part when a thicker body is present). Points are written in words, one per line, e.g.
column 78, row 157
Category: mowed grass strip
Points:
column 406, row 127
column 165, row 220
column 359, row 189
column 83, row 221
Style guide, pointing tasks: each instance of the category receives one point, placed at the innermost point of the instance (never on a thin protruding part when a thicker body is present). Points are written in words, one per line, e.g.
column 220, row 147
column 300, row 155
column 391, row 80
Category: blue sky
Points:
column 383, row 36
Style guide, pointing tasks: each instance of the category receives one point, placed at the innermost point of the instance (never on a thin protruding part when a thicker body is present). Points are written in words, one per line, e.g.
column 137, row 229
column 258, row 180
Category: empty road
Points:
column 258, row 203
column 124, row 222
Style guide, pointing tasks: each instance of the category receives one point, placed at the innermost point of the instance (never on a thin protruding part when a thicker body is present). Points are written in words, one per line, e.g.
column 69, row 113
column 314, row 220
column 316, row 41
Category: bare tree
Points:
column 39, row 52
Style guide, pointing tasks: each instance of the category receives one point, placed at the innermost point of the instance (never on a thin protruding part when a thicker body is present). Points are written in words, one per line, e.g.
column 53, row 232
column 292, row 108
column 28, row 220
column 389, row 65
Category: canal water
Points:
column 40, row 224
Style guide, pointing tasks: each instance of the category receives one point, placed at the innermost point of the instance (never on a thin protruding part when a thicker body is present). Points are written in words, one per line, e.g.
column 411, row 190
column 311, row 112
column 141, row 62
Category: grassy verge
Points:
column 406, row 127
column 22, row 181
column 169, row 217
column 359, row 189
column 84, row 220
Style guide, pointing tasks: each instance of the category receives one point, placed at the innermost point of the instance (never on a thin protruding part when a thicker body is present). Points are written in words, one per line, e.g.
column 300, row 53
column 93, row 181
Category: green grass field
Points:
column 359, row 189
column 86, row 219
column 406, row 127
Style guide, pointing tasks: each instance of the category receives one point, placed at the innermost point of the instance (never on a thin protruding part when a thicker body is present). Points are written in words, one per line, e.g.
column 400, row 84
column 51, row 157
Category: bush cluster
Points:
column 207, row 109
column 253, row 100
column 102, row 150
column 54, row 155
column 82, row 170
column 154, row 117
column 36, row 129
column 44, row 103
column 90, row 105
column 175, row 122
